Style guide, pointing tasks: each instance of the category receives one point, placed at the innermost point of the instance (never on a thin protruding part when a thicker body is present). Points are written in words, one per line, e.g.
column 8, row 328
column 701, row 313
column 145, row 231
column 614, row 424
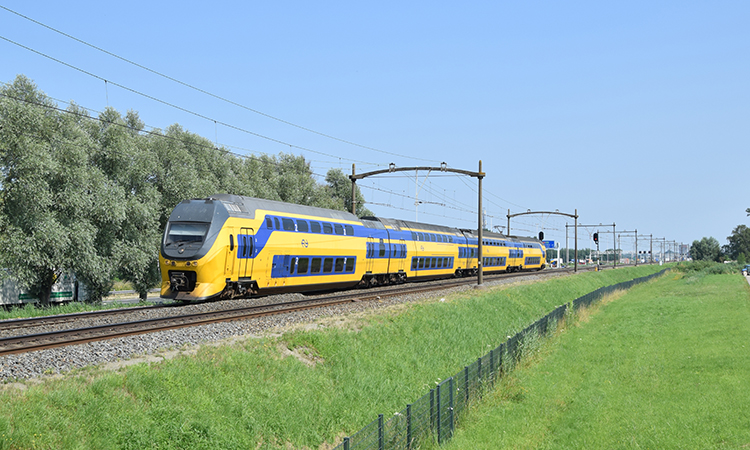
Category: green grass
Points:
column 32, row 310
column 664, row 366
column 249, row 396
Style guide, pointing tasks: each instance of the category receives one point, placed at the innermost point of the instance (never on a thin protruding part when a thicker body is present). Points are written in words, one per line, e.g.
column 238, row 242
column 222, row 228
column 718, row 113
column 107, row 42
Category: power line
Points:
column 175, row 106
column 206, row 92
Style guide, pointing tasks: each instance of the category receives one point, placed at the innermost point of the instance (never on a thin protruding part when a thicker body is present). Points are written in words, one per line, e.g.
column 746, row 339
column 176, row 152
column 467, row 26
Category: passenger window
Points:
column 339, row 229
column 276, row 223
column 382, row 250
column 302, row 264
column 349, row 230
column 288, row 224
column 327, row 265
column 315, row 265
column 269, row 223
column 302, row 226
column 315, row 227
column 433, row 263
column 339, row 265
column 414, row 263
column 440, row 263
column 421, row 263
column 327, row 228
column 432, row 238
column 413, row 236
column 350, row 264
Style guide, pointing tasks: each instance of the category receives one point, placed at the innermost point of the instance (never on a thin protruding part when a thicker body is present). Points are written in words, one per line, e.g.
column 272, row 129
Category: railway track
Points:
column 65, row 337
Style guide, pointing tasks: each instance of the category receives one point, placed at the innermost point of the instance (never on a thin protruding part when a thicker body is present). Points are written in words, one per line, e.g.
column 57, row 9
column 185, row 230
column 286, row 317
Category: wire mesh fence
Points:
column 435, row 414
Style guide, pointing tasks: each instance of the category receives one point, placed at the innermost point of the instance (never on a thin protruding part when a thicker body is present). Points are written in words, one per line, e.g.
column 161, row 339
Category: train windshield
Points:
column 186, row 233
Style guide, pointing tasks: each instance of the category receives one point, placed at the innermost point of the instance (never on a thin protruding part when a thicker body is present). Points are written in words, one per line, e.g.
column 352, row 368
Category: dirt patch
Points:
column 305, row 355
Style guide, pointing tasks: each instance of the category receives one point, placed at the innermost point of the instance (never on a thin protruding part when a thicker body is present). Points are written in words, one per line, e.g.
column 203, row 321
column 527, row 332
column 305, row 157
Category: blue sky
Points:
column 635, row 113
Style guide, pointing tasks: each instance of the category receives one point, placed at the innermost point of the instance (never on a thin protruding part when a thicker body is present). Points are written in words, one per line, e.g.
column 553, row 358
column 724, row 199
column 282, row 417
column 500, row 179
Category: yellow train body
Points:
column 230, row 246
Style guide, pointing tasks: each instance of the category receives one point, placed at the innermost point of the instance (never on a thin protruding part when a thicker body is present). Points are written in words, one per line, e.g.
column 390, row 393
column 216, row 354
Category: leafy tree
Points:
column 739, row 242
column 126, row 160
column 339, row 188
column 707, row 249
column 54, row 198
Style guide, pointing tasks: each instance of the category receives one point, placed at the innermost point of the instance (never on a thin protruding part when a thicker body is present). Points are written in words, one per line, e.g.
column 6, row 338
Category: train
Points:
column 229, row 246
column 65, row 290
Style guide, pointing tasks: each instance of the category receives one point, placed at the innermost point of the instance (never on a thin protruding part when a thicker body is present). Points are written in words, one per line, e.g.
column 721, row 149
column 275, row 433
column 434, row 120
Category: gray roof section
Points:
column 246, row 207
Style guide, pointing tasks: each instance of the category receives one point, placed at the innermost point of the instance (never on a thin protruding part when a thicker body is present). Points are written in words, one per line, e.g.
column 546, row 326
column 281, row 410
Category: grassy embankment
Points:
column 247, row 395
column 664, row 366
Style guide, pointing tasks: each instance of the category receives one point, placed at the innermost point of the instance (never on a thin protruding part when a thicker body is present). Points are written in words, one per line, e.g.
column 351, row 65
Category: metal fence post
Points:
column 432, row 408
column 381, row 438
column 466, row 381
column 492, row 361
column 479, row 369
column 346, row 443
column 408, row 426
column 438, row 413
column 452, row 406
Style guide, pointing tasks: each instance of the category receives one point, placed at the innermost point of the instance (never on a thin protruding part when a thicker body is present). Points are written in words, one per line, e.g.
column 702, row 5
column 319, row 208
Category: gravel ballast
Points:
column 64, row 359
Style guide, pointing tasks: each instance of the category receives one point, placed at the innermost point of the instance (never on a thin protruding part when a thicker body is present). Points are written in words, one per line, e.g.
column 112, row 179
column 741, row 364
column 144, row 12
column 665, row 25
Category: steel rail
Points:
column 61, row 338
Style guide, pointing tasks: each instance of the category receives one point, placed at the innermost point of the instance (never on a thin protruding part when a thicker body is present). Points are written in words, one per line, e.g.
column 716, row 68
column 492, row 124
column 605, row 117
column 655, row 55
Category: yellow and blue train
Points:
column 229, row 246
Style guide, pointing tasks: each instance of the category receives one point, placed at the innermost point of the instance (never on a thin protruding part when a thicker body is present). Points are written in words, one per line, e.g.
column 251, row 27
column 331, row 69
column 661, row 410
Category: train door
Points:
column 229, row 266
column 282, row 266
column 370, row 256
column 401, row 260
column 245, row 248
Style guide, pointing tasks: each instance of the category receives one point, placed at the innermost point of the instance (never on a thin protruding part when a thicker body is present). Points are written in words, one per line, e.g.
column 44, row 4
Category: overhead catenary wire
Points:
column 203, row 91
column 150, row 97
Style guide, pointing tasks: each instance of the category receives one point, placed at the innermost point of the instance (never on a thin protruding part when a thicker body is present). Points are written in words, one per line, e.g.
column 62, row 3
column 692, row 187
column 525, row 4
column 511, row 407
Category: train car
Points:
column 66, row 289
column 228, row 246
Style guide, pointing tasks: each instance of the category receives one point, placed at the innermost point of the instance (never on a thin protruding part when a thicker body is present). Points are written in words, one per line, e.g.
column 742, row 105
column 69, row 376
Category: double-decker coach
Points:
column 228, row 246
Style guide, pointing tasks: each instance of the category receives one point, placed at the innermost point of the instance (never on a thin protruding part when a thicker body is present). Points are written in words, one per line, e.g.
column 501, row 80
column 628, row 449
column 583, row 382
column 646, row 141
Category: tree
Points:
column 707, row 249
column 739, row 242
column 339, row 188
column 123, row 155
column 54, row 197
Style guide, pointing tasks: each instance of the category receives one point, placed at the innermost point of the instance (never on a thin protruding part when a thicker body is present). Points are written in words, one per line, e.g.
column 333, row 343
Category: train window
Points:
column 450, row 239
column 440, row 263
column 350, row 264
column 413, row 236
column 302, row 226
column 269, row 223
column 339, row 229
column 414, row 262
column 421, row 263
column 315, row 265
column 381, row 252
column 327, row 228
column 433, row 263
column 231, row 242
column 349, row 230
column 339, row 265
column 448, row 262
column 432, row 238
column 315, row 227
column 420, row 236
column 327, row 265
column 276, row 223
column 302, row 264
column 288, row 224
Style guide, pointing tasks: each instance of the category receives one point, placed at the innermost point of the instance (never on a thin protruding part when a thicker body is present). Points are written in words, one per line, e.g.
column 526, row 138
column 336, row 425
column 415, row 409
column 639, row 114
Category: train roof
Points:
column 408, row 225
column 238, row 205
